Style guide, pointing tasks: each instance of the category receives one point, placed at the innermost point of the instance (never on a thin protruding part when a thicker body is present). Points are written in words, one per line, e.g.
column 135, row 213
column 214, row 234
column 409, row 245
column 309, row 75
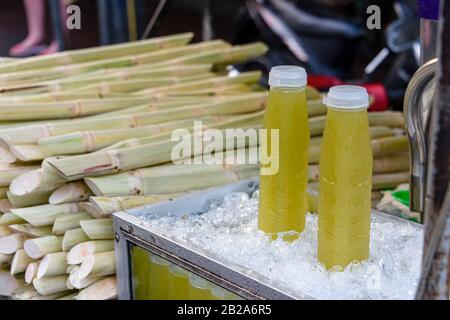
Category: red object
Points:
column 377, row 91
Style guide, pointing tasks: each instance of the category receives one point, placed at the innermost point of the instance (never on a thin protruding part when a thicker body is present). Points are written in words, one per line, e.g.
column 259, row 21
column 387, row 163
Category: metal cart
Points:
column 131, row 231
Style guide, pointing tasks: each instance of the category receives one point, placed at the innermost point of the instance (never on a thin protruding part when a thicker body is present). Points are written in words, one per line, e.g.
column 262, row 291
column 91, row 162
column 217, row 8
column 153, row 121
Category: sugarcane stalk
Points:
column 169, row 179
column 70, row 268
column 131, row 86
column 72, row 238
column 63, row 110
column 69, row 221
column 82, row 55
column 53, row 264
column 215, row 82
column 100, row 264
column 5, row 231
column 71, row 192
column 105, row 289
column 149, row 107
column 5, row 258
column 227, row 90
column 3, row 191
column 51, row 285
column 31, row 272
column 8, row 284
column 223, row 57
column 251, row 120
column 20, row 262
column 9, row 218
column 29, row 200
column 389, row 145
column 98, row 229
column 29, row 152
column 12, row 243
column 32, row 76
column 32, row 134
column 26, row 293
column 6, row 156
column 88, row 141
column 39, row 247
column 5, row 206
column 31, row 231
column 396, row 162
column 71, row 296
column 142, row 72
column 102, row 207
column 102, row 86
column 8, row 172
column 80, row 283
column 45, row 215
column 80, row 251
column 55, row 296
column 389, row 180
column 41, row 180
column 125, row 159
column 59, row 97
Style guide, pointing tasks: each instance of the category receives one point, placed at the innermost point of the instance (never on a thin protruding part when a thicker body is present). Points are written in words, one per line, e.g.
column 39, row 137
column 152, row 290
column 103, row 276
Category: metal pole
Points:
column 434, row 283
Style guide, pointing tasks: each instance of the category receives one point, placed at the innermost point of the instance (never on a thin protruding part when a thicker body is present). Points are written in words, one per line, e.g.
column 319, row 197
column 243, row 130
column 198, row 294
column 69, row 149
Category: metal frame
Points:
column 129, row 230
column 417, row 131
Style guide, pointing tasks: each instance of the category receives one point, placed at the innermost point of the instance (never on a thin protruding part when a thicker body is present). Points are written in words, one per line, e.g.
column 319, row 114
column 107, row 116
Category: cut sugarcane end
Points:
column 26, row 183
column 31, row 272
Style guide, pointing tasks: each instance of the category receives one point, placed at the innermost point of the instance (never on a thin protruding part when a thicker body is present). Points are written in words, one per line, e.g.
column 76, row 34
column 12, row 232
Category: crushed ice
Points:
column 229, row 231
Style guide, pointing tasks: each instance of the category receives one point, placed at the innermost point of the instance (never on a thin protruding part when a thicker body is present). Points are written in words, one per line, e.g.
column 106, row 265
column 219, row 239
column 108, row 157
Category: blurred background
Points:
column 329, row 38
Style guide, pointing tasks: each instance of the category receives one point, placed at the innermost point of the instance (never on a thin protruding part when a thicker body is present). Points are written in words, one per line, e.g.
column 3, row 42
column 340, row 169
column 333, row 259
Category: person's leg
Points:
column 54, row 45
column 35, row 12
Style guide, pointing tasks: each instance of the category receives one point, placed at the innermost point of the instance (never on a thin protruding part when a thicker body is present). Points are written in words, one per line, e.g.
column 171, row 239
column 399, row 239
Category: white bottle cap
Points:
column 347, row 97
column 287, row 77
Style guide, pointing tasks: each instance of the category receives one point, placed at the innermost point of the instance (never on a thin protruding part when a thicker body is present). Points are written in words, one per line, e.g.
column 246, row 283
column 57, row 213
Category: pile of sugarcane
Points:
column 87, row 133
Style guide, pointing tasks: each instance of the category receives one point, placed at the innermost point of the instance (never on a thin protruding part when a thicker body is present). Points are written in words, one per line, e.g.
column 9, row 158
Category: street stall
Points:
column 158, row 170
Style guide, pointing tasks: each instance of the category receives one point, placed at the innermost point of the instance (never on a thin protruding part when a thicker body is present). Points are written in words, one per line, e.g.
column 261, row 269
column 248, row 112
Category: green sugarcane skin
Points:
column 29, row 200
column 82, row 55
column 140, row 72
column 177, row 179
column 122, row 62
column 88, row 141
column 215, row 82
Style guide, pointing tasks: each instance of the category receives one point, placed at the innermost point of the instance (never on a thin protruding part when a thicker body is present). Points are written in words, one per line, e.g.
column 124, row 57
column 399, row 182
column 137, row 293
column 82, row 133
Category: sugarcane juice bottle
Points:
column 283, row 203
column 159, row 278
column 141, row 272
column 199, row 288
column 178, row 283
column 345, row 179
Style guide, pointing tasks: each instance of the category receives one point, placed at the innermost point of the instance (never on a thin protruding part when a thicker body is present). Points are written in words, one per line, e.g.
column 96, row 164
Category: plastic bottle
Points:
column 283, row 201
column 199, row 288
column 178, row 283
column 159, row 278
column 345, row 179
column 141, row 272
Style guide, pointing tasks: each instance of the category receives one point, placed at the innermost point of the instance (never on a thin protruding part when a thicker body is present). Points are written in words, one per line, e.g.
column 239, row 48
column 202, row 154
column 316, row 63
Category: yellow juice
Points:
column 199, row 288
column 178, row 283
column 283, row 201
column 141, row 272
column 159, row 278
column 345, row 188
